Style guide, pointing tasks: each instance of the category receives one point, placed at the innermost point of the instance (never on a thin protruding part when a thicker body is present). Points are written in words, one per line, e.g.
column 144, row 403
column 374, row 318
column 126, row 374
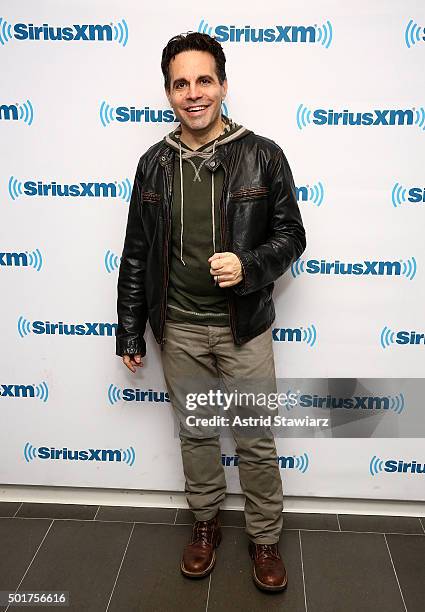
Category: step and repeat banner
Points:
column 341, row 89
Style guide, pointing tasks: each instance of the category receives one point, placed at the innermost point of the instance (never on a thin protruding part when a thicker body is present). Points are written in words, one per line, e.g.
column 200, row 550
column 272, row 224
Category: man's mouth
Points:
column 196, row 109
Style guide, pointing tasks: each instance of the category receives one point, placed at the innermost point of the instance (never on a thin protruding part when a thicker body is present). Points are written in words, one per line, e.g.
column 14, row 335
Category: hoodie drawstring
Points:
column 181, row 204
column 212, row 203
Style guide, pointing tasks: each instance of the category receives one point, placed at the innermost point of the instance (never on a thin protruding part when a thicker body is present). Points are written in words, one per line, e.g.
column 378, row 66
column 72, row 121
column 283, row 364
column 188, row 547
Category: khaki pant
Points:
column 197, row 353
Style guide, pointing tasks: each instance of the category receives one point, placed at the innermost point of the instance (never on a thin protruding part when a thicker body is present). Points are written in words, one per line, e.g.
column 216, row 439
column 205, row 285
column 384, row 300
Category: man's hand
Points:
column 133, row 361
column 226, row 269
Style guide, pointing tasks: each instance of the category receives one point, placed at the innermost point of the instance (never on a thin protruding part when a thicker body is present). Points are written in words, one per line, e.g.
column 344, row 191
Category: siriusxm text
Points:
column 323, row 116
column 282, row 460
column 29, row 31
column 132, row 114
column 74, row 329
column 17, row 390
column 54, row 189
column 416, row 194
column 410, row 337
column 394, row 465
column 9, row 112
column 355, row 403
column 14, row 259
column 91, row 454
column 276, row 34
column 143, row 395
column 364, row 268
column 287, row 334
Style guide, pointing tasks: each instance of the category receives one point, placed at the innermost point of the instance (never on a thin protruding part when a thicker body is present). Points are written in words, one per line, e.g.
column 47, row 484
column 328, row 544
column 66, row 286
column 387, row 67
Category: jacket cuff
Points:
column 243, row 287
column 130, row 346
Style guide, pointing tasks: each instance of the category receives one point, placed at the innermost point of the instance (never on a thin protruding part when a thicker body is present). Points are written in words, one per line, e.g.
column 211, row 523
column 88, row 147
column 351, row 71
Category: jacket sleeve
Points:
column 131, row 302
column 286, row 241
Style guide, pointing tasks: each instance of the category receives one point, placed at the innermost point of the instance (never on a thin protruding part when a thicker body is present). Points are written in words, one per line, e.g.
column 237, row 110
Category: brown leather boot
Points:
column 268, row 570
column 199, row 555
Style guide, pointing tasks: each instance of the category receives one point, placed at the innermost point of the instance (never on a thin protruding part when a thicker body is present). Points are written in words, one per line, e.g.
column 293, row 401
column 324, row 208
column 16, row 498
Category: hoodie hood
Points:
column 231, row 132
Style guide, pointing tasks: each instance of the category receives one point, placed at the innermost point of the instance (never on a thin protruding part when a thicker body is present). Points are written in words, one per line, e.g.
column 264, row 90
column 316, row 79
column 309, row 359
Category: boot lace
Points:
column 267, row 551
column 202, row 531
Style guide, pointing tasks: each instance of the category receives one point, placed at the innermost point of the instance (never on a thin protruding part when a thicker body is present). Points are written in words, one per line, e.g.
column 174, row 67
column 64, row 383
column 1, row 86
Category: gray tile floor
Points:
column 126, row 559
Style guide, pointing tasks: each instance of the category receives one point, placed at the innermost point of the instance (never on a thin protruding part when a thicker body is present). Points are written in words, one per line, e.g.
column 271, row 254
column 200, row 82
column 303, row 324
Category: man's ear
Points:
column 167, row 93
column 224, row 86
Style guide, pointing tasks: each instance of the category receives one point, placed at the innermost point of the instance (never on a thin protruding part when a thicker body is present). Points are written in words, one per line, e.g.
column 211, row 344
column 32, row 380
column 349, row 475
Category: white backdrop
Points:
column 63, row 110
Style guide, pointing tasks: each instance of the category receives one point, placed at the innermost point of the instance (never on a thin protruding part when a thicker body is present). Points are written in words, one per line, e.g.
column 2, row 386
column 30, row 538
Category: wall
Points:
column 65, row 120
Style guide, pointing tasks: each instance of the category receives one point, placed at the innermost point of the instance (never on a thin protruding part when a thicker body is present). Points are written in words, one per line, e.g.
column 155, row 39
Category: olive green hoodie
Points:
column 193, row 295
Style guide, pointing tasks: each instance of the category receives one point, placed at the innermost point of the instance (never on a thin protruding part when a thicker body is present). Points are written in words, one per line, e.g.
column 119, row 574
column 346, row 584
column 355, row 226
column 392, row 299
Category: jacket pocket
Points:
column 249, row 193
column 151, row 197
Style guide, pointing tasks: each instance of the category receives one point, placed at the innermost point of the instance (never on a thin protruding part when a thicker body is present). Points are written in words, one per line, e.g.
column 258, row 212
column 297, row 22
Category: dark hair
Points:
column 193, row 41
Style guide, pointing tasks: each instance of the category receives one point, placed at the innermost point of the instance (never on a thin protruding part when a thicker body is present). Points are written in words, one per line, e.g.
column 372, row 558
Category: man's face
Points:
column 195, row 93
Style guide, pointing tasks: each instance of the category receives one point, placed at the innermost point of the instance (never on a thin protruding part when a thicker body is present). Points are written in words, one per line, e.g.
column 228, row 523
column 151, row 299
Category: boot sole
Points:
column 207, row 571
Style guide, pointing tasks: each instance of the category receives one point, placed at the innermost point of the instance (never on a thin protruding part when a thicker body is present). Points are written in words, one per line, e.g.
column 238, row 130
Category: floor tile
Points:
column 8, row 508
column 232, row 586
column 344, row 571
column 19, row 540
column 349, row 572
column 82, row 557
column 134, row 514
column 57, row 511
column 408, row 555
column 150, row 579
column 300, row 520
column 228, row 518
column 380, row 524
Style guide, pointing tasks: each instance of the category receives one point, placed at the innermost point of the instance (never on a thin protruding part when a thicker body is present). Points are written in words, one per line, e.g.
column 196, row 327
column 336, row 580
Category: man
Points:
column 213, row 222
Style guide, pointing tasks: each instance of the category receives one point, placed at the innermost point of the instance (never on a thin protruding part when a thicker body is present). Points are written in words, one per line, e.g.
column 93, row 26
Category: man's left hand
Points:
column 226, row 269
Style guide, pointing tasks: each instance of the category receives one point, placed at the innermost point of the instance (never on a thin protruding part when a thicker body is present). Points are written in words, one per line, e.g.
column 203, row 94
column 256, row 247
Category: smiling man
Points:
column 213, row 222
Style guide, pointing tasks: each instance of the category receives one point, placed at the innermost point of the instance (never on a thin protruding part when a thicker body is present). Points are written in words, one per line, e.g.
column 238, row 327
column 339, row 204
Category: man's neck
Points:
column 197, row 139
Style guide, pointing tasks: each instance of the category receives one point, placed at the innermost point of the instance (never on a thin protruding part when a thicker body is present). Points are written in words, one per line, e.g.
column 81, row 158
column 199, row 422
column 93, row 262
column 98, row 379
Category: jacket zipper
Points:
column 223, row 229
column 166, row 255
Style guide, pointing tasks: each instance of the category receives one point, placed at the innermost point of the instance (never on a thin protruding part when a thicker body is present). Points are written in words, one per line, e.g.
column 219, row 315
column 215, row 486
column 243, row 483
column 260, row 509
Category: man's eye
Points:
column 179, row 85
column 205, row 80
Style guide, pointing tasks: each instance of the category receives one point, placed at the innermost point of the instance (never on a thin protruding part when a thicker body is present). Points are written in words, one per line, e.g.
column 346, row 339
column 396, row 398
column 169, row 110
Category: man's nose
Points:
column 194, row 91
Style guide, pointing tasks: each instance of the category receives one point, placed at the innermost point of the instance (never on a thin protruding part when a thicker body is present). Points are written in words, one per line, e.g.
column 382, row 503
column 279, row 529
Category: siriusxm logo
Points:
column 393, row 403
column 115, row 394
column 330, row 117
column 389, row 337
column 117, row 455
column 275, row 34
column 413, row 34
column 311, row 193
column 76, row 32
column 400, row 267
column 115, row 189
column 400, row 195
column 25, row 327
column 377, row 465
column 292, row 462
column 131, row 114
column 40, row 391
column 295, row 334
column 17, row 112
column 111, row 261
column 24, row 259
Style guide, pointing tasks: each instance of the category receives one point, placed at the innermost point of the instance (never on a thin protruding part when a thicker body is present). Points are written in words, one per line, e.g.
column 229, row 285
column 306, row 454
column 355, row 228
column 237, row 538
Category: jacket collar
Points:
column 166, row 157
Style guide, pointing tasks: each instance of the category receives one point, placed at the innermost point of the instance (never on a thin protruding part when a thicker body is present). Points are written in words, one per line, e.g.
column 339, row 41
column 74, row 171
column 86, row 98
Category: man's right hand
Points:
column 132, row 362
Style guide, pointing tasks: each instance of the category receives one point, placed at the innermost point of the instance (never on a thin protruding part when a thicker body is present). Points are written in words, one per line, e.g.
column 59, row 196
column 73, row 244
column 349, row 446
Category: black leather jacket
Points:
column 260, row 223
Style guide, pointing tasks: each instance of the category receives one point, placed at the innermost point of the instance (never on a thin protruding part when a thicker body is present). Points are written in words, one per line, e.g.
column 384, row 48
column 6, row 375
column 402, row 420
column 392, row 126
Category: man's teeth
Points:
column 195, row 108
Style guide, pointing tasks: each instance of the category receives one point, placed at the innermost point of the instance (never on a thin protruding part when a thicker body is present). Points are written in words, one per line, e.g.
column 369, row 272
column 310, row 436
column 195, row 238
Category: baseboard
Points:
column 176, row 499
